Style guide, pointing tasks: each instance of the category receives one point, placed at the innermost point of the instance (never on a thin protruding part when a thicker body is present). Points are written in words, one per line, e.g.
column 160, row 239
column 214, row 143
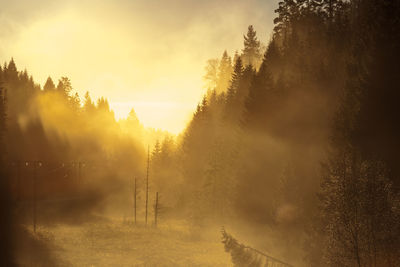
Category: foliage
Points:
column 241, row 254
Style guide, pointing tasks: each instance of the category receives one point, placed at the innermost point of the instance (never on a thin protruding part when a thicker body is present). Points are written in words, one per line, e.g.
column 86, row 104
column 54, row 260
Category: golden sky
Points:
column 147, row 55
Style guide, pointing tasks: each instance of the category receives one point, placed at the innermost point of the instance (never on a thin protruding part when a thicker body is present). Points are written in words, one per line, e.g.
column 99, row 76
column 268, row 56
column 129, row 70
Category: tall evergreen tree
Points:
column 11, row 66
column 235, row 81
column 6, row 257
column 260, row 90
column 75, row 102
column 49, row 85
column 224, row 73
column 251, row 54
column 102, row 104
column 133, row 118
column 88, row 104
column 2, row 123
column 211, row 75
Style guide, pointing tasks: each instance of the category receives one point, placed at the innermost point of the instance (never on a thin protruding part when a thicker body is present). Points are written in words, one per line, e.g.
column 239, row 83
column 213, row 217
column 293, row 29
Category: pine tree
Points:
column 75, row 102
column 260, row 94
column 167, row 149
column 49, row 85
column 241, row 255
column 204, row 106
column 331, row 7
column 211, row 75
column 224, row 73
column 235, row 81
column 10, row 73
column 88, row 104
column 235, row 57
column 102, row 104
column 133, row 118
column 3, row 116
column 251, row 51
column 64, row 87
column 286, row 12
column 272, row 57
column 12, row 68
column 6, row 212
column 155, row 154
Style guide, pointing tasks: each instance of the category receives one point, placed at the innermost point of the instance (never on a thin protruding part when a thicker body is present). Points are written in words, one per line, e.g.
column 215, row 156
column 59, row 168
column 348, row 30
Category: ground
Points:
column 113, row 242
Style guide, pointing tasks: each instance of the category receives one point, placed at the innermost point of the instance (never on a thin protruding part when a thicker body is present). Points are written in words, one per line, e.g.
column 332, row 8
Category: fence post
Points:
column 156, row 210
column 147, row 181
column 134, row 202
column 34, row 194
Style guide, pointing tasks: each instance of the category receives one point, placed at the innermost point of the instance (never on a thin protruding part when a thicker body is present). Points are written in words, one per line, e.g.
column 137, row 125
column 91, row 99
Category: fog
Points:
column 197, row 134
column 142, row 54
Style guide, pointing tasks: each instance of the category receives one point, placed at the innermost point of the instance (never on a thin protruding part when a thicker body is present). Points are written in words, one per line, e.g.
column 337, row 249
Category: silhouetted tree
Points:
column 251, row 51
column 6, row 219
column 235, row 81
column 49, row 85
column 224, row 73
column 64, row 86
column 260, row 90
column 211, row 75
column 88, row 104
column 240, row 254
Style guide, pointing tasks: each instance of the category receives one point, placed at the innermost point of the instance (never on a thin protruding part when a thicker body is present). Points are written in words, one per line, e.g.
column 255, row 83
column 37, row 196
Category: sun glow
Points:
column 135, row 57
column 153, row 114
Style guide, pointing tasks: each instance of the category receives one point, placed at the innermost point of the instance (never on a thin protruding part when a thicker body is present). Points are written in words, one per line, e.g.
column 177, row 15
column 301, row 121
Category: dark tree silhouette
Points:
column 251, row 51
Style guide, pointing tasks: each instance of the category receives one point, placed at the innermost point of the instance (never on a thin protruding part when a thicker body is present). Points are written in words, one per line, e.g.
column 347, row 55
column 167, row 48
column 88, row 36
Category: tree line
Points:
column 296, row 141
column 303, row 138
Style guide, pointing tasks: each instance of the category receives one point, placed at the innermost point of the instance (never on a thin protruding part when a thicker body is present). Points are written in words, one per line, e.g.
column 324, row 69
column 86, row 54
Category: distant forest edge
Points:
column 296, row 146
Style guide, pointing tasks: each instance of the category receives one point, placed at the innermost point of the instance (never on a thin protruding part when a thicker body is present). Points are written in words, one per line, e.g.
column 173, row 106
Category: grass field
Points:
column 112, row 242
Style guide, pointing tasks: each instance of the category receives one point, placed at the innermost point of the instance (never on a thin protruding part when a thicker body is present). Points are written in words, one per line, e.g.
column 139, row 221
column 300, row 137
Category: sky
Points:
column 143, row 54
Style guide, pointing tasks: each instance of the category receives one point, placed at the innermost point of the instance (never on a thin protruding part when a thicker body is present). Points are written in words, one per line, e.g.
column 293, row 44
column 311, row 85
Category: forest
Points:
column 292, row 150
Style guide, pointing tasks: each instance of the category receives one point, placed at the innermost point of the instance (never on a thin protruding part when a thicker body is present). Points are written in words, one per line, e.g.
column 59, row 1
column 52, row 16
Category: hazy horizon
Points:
column 118, row 49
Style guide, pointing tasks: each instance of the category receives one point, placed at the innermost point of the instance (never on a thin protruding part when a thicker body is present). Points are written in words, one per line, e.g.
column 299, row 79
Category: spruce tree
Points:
column 88, row 105
column 11, row 66
column 235, row 81
column 251, row 51
column 6, row 212
column 132, row 118
column 224, row 73
column 49, row 85
column 2, row 123
column 257, row 102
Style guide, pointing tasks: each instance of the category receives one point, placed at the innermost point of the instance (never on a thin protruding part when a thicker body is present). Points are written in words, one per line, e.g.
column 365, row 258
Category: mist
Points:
column 109, row 49
column 200, row 133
